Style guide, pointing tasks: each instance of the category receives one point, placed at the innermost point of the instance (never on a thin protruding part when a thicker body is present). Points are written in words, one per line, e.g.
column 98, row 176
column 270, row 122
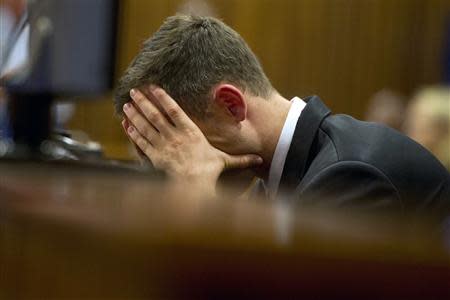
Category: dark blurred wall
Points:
column 342, row 50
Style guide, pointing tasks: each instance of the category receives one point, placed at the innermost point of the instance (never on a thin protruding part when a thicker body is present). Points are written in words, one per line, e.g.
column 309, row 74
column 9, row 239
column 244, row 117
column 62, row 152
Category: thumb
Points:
column 242, row 161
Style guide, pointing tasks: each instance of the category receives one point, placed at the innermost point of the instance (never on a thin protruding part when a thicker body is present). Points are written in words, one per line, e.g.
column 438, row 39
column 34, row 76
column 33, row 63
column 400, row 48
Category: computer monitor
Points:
column 71, row 47
column 68, row 49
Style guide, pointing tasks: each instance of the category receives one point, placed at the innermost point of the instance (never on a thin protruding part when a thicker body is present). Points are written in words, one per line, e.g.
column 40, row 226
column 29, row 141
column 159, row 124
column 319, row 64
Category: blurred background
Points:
column 91, row 230
column 366, row 58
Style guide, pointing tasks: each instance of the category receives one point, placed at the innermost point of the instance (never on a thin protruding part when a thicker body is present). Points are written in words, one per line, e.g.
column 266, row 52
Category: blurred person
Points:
column 197, row 102
column 10, row 13
column 428, row 121
column 13, row 37
column 15, row 33
column 13, row 58
column 62, row 113
column 386, row 107
column 4, row 126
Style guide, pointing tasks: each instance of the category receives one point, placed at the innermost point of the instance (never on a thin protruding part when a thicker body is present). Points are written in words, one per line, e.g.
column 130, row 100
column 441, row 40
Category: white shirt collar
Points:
column 284, row 143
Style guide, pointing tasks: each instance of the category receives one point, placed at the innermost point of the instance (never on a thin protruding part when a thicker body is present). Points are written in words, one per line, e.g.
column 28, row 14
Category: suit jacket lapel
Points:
column 306, row 129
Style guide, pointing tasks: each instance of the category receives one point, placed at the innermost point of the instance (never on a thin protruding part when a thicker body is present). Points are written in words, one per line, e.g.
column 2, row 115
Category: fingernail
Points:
column 126, row 106
column 130, row 129
column 132, row 92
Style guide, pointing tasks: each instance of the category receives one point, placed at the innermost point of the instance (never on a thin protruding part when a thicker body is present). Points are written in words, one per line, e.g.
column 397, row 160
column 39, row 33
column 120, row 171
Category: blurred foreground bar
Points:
column 85, row 232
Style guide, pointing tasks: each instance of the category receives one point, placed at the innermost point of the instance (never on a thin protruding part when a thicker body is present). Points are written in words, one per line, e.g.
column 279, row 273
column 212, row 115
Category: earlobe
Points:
column 232, row 99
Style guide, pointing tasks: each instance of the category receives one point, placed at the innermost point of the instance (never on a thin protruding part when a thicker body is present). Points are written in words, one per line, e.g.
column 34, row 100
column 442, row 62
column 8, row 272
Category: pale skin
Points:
column 196, row 152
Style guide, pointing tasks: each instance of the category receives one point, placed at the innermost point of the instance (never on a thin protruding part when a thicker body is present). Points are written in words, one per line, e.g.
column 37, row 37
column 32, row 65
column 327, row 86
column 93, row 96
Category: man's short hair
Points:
column 187, row 57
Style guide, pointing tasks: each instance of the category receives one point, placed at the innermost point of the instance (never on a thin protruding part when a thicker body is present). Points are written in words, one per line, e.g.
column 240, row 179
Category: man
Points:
column 12, row 59
column 428, row 121
column 388, row 108
column 216, row 110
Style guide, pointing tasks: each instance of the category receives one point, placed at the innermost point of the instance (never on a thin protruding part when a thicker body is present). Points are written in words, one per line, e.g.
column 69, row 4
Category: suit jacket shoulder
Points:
column 339, row 161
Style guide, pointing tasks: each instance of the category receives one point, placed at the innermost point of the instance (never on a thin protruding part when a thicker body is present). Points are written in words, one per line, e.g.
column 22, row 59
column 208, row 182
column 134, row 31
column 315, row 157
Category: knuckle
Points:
column 154, row 116
column 140, row 126
column 147, row 132
column 141, row 143
column 173, row 112
column 176, row 143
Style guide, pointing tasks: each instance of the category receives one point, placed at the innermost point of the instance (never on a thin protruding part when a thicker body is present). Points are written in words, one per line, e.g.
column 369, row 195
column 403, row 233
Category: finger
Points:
column 142, row 143
column 242, row 161
column 136, row 119
column 151, row 112
column 172, row 109
column 126, row 125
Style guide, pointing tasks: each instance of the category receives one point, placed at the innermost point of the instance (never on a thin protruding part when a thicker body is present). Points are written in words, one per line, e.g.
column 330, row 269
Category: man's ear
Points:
column 232, row 99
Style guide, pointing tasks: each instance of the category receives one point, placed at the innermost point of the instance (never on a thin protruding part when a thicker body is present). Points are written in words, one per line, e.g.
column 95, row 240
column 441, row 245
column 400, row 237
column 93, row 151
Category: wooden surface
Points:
column 86, row 232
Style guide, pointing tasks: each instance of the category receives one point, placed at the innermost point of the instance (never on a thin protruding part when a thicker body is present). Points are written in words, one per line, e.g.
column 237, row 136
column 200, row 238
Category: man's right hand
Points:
column 177, row 146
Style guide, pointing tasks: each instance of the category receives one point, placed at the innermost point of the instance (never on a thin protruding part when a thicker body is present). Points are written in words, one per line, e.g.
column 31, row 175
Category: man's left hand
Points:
column 174, row 144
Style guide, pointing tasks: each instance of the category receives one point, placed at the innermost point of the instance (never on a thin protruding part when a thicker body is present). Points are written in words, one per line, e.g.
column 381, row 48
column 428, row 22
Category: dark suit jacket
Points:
column 337, row 161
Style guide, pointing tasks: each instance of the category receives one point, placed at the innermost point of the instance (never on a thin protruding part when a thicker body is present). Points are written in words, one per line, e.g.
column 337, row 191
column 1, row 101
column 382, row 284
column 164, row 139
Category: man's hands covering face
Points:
column 174, row 144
